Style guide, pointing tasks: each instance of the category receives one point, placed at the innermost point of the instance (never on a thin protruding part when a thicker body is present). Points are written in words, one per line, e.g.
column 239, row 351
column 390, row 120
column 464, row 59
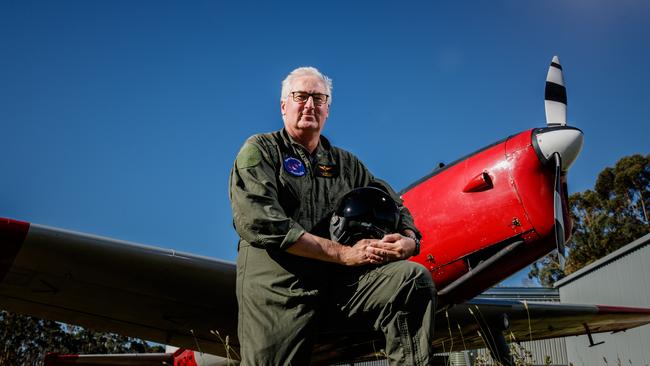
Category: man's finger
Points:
column 376, row 257
column 390, row 253
column 385, row 245
column 392, row 237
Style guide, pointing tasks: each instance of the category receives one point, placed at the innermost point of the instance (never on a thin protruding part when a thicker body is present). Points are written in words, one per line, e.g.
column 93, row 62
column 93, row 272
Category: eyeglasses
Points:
column 303, row 97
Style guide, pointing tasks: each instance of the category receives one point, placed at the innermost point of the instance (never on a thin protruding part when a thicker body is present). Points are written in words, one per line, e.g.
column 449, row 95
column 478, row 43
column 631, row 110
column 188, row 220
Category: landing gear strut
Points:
column 492, row 334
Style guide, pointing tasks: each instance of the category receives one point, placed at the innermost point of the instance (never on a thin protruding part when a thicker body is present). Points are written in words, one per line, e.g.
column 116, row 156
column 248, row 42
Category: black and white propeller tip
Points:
column 567, row 140
column 555, row 100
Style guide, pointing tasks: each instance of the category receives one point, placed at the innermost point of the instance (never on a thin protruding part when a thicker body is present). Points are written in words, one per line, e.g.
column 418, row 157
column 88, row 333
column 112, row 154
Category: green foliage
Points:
column 25, row 340
column 547, row 270
column 606, row 218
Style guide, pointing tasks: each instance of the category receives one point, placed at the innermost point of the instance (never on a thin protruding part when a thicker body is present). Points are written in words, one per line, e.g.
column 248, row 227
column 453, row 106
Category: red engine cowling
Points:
column 477, row 208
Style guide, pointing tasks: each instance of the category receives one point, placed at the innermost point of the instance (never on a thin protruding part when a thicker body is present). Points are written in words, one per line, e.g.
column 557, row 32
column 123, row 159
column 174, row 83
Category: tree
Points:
column 547, row 270
column 25, row 340
column 606, row 218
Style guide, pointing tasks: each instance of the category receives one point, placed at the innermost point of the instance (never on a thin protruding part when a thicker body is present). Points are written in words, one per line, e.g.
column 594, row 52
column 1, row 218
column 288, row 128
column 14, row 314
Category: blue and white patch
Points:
column 294, row 166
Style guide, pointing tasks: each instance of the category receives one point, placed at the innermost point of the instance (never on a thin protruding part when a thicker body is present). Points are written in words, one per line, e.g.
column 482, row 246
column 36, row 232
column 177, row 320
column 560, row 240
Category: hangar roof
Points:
column 611, row 257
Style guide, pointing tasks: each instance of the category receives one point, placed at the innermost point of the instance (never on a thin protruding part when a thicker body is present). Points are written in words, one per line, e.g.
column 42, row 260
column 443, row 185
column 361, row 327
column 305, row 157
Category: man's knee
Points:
column 409, row 283
column 408, row 271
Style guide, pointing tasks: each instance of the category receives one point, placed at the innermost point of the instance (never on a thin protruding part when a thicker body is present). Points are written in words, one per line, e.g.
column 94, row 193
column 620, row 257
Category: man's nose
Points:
column 310, row 102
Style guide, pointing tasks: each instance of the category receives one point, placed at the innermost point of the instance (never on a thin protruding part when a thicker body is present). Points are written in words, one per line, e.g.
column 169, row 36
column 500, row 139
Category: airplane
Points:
column 483, row 218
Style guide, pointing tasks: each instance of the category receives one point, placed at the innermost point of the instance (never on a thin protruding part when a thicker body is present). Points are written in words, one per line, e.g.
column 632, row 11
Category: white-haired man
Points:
column 290, row 275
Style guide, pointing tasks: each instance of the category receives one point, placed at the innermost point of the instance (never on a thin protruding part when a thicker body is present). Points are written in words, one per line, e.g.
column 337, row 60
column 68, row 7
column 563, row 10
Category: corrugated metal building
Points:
column 621, row 278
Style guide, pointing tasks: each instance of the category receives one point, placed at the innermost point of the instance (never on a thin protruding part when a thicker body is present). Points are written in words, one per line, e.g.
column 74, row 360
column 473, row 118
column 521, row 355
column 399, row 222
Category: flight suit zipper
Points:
column 310, row 175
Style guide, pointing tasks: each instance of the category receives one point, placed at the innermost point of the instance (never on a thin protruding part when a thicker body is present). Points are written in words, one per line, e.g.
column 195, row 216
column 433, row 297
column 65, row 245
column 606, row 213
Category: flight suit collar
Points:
column 322, row 154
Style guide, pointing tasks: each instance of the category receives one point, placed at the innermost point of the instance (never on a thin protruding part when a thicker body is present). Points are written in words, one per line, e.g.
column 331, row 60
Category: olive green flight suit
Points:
column 279, row 191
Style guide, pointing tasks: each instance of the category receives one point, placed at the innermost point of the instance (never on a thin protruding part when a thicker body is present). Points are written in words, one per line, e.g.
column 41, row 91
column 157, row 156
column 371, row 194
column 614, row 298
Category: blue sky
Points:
column 122, row 118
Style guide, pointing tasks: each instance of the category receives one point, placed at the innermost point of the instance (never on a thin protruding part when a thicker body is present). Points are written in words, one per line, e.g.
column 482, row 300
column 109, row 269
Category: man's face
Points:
column 301, row 117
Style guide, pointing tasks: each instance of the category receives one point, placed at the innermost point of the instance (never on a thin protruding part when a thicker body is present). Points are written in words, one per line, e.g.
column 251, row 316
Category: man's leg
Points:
column 272, row 335
column 277, row 316
column 398, row 299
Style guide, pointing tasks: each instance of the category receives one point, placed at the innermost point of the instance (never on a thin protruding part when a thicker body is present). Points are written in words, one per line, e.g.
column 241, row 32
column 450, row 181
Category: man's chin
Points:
column 308, row 125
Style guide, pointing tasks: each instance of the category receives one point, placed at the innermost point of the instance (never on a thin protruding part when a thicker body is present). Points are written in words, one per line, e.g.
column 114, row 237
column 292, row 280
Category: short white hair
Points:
column 306, row 71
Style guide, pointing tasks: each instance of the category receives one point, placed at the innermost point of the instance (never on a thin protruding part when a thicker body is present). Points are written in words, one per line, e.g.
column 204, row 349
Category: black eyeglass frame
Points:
column 312, row 95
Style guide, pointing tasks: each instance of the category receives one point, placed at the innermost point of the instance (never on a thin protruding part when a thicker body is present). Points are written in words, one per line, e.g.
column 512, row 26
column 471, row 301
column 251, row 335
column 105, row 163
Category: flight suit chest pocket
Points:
column 292, row 190
column 336, row 187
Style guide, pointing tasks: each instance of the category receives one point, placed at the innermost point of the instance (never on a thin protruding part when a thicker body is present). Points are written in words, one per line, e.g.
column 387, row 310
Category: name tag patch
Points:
column 294, row 166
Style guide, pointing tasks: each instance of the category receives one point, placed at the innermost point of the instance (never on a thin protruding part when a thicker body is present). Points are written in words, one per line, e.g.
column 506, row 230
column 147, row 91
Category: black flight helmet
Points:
column 364, row 213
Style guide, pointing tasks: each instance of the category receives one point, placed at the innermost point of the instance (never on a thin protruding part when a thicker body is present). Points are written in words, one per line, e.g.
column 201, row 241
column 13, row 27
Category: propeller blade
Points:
column 555, row 100
column 558, row 213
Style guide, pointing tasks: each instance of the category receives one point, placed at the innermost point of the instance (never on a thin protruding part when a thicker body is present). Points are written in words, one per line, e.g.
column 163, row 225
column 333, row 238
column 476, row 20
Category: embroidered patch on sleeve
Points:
column 249, row 156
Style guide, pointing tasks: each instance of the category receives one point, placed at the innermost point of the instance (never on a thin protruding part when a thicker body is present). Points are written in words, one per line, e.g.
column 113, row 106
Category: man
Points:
column 290, row 276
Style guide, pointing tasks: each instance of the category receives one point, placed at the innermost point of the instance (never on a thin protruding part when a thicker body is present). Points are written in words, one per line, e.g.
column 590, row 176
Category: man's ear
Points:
column 283, row 104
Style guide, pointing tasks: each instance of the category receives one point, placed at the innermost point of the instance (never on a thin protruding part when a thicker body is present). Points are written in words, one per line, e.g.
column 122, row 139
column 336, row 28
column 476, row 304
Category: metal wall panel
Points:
column 625, row 281
column 542, row 352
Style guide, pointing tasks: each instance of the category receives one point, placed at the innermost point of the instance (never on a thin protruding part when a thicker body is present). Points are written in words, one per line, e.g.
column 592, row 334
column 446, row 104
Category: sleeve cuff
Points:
column 412, row 228
column 294, row 233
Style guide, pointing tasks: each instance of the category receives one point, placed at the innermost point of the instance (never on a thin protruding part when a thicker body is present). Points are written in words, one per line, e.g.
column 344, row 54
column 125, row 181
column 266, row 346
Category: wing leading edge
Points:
column 527, row 321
